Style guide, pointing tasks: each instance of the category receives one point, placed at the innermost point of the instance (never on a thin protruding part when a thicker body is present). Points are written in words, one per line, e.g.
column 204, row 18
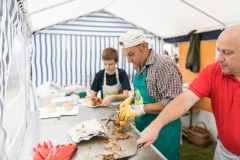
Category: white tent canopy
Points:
column 22, row 50
column 164, row 18
column 67, row 41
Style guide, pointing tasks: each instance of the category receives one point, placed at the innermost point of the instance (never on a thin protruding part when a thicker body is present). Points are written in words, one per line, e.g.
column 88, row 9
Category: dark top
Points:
column 111, row 80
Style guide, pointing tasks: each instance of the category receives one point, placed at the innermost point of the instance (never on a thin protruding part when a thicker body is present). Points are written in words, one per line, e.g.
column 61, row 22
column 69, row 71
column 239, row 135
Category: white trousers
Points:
column 221, row 153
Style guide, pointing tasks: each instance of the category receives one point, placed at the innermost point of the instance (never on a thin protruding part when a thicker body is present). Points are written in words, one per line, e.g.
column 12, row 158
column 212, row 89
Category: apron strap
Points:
column 146, row 70
column 105, row 77
column 117, row 76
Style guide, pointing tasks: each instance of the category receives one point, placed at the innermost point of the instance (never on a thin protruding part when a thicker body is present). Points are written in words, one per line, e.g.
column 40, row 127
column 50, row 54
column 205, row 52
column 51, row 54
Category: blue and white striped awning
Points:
column 70, row 53
column 96, row 24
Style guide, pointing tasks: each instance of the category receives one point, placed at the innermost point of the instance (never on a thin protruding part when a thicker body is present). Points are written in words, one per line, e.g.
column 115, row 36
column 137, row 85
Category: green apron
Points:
column 168, row 141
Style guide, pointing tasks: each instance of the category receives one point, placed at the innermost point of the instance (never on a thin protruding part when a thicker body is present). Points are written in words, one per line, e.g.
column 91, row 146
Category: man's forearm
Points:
column 153, row 108
column 176, row 108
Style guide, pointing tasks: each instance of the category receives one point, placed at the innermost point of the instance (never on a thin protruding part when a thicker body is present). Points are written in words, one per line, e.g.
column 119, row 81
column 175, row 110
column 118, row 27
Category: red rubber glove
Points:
column 45, row 148
column 61, row 152
column 36, row 154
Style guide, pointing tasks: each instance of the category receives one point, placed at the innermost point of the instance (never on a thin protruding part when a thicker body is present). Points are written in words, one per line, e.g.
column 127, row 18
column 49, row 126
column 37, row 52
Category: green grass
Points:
column 189, row 151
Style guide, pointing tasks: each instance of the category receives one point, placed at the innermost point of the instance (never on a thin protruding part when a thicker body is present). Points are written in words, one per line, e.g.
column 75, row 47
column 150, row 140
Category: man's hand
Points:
column 149, row 135
column 131, row 111
column 61, row 152
column 126, row 102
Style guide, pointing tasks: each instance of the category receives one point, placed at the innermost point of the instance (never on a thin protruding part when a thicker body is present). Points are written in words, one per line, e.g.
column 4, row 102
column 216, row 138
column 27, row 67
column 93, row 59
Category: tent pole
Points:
column 161, row 45
column 108, row 4
column 222, row 23
column 25, row 67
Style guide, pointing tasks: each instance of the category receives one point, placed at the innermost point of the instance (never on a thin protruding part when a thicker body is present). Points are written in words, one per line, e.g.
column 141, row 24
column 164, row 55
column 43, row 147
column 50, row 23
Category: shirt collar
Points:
column 149, row 61
column 231, row 76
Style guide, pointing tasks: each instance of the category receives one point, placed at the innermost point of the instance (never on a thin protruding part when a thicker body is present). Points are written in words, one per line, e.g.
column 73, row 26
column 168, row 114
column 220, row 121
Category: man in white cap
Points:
column 156, row 83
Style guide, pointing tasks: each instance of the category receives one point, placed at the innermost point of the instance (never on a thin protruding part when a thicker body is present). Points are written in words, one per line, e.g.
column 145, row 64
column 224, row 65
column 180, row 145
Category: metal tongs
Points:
column 106, row 120
column 133, row 155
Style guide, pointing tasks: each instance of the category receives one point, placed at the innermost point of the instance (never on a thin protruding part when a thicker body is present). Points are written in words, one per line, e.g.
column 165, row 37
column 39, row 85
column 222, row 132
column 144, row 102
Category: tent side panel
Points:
column 13, row 91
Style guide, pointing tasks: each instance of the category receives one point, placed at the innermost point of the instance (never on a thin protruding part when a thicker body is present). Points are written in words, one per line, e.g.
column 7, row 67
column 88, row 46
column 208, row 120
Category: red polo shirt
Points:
column 224, row 91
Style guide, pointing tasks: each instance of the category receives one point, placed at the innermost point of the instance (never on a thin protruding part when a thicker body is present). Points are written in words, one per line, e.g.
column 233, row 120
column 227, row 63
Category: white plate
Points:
column 89, row 105
column 43, row 114
column 74, row 111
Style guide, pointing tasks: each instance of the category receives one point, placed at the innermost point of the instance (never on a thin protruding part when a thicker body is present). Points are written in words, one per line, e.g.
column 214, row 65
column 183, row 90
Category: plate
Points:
column 73, row 111
column 43, row 114
column 89, row 105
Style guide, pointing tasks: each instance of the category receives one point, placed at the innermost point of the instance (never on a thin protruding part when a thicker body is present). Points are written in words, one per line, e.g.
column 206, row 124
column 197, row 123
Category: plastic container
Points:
column 81, row 94
column 77, row 89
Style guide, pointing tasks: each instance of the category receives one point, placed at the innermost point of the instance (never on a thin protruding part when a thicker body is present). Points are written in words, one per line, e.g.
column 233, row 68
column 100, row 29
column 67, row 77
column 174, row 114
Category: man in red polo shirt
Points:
column 219, row 81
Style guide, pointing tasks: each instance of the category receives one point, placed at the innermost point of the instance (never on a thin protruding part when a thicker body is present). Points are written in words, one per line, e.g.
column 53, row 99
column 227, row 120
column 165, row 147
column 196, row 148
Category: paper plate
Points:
column 49, row 115
column 74, row 111
column 89, row 105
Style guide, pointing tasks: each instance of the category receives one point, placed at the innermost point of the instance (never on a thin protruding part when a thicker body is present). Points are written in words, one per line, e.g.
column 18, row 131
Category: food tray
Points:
column 118, row 144
column 98, row 147
column 87, row 129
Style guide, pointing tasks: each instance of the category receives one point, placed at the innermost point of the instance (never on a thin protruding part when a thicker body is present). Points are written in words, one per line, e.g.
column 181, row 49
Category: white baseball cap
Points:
column 133, row 38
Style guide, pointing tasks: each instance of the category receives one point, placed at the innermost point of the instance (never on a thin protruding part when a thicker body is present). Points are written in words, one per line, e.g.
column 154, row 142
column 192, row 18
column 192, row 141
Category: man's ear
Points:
column 144, row 45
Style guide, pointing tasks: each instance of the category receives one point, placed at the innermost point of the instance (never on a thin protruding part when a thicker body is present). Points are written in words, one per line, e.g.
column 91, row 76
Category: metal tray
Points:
column 117, row 145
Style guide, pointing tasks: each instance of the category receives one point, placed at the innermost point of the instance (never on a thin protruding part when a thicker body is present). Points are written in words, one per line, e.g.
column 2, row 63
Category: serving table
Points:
column 56, row 130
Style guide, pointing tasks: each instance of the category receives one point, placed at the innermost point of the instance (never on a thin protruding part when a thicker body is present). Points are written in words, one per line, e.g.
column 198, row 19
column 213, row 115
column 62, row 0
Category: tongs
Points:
column 131, row 156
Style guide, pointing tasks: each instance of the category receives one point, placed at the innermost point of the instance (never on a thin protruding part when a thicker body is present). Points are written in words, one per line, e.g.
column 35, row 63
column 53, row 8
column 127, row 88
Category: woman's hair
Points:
column 110, row 54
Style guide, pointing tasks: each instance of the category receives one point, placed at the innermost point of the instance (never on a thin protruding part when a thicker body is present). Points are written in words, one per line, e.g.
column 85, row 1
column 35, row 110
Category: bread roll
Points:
column 68, row 106
column 88, row 100
column 49, row 108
